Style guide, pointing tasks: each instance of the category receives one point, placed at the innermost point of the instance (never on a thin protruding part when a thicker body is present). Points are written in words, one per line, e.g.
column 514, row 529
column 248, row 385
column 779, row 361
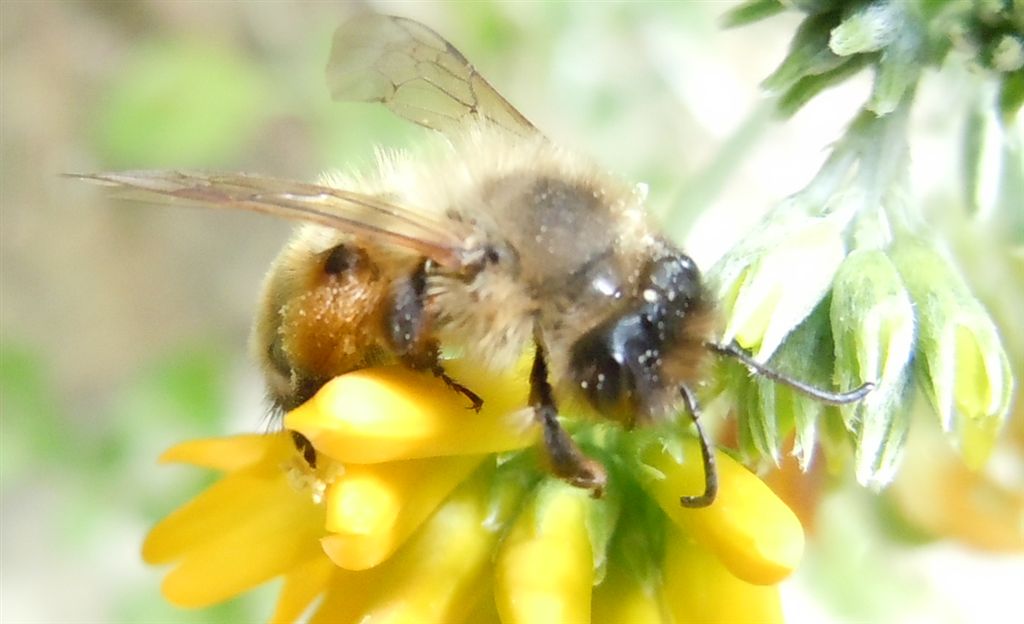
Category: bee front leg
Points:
column 707, row 455
column 408, row 332
column 567, row 461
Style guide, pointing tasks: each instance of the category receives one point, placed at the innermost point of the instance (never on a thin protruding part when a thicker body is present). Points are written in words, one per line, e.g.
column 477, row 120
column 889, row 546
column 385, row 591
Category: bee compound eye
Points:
column 597, row 372
column 673, row 272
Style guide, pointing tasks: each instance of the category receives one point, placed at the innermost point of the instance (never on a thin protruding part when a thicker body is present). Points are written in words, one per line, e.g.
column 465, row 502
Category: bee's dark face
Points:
column 622, row 366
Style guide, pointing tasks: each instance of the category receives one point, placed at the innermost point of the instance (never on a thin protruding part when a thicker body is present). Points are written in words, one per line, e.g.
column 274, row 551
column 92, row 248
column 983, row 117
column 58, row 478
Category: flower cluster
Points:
column 849, row 276
column 848, row 273
column 418, row 510
column 898, row 38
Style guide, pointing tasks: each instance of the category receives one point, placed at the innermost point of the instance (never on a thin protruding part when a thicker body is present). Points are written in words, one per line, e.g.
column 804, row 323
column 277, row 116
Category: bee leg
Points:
column 428, row 359
column 831, row 398
column 407, row 329
column 707, row 456
column 476, row 403
column 567, row 461
column 305, row 447
column 302, row 389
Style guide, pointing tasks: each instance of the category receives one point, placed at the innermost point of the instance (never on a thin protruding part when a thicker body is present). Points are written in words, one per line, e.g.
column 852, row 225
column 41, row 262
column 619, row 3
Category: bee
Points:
column 493, row 242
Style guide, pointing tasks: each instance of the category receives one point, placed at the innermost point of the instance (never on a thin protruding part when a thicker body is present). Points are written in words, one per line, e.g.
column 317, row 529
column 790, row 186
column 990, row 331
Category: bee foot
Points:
column 476, row 403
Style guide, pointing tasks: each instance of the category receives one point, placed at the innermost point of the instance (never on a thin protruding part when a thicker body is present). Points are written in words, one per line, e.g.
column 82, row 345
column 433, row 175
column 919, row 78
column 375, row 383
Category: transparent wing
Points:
column 361, row 215
column 416, row 73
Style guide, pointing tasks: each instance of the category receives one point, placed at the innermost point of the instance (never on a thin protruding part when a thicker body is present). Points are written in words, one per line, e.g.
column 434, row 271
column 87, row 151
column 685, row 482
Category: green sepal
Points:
column 751, row 11
column 806, row 88
column 809, row 54
column 898, row 70
column 1011, row 96
column 806, row 357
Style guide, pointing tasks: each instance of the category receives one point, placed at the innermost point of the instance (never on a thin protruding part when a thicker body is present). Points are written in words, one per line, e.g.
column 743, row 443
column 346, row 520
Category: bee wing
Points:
column 417, row 74
column 361, row 215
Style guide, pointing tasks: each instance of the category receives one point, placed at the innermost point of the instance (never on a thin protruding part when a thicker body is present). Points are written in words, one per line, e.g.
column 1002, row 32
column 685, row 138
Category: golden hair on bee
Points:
column 492, row 240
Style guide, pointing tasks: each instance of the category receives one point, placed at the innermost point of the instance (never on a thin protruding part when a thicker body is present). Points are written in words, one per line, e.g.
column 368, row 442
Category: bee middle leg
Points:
column 429, row 359
column 567, row 461
column 409, row 336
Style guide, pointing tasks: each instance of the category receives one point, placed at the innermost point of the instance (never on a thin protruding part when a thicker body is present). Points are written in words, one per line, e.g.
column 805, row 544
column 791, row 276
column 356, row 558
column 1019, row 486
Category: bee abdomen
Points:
column 322, row 311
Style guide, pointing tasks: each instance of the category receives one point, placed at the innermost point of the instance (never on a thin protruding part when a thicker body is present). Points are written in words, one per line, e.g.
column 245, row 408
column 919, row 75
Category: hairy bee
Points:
column 494, row 241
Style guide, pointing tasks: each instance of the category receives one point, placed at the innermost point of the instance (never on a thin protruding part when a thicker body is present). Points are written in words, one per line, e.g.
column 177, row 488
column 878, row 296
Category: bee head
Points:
column 630, row 365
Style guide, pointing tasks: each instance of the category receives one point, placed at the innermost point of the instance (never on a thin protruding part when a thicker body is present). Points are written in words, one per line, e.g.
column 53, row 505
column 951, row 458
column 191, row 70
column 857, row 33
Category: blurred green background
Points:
column 123, row 326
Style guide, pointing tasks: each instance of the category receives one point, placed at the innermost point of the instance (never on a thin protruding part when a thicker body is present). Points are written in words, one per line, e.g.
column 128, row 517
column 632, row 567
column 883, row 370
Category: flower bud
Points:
column 752, row 532
column 772, row 280
column 544, row 571
column 873, row 331
column 1007, row 53
column 961, row 364
column 870, row 28
column 704, row 590
column 623, row 597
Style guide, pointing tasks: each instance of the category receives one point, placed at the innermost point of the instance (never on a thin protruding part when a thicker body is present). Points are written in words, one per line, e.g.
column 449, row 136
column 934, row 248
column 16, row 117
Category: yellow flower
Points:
column 420, row 510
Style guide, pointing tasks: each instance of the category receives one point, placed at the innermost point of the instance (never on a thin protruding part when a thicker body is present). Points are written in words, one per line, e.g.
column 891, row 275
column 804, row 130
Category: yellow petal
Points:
column 484, row 610
column 227, row 453
column 302, row 584
column 751, row 327
column 261, row 543
column 373, row 508
column 544, row 570
column 392, row 413
column 622, row 597
column 757, row 537
column 699, row 589
column 347, row 595
column 437, row 576
column 218, row 509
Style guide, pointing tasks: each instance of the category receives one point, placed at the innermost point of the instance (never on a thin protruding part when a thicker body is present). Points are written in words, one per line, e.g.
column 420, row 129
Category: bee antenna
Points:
column 707, row 456
column 832, row 398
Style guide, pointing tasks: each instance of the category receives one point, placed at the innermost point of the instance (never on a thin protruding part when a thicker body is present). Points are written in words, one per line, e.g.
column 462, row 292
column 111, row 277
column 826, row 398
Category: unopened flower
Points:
column 961, row 363
column 869, row 28
column 774, row 278
column 420, row 510
column 873, row 329
column 707, row 591
column 544, row 569
column 754, row 535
